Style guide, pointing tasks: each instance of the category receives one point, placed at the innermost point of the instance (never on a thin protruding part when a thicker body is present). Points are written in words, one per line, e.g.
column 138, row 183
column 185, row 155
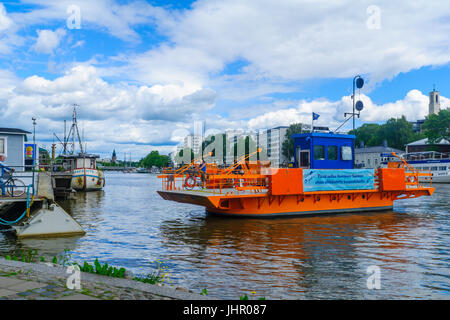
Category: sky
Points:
column 142, row 72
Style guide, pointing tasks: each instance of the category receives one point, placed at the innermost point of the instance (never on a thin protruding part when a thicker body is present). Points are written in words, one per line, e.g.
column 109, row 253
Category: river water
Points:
column 327, row 257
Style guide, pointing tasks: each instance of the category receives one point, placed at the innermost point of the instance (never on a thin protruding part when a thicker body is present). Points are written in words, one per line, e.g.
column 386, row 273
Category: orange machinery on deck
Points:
column 278, row 192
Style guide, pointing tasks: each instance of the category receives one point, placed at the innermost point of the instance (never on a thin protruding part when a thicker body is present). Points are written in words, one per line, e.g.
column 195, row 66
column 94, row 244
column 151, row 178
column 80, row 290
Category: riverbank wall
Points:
column 40, row 281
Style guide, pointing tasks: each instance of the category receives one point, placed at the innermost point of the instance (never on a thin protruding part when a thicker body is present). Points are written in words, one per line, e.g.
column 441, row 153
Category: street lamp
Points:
column 34, row 147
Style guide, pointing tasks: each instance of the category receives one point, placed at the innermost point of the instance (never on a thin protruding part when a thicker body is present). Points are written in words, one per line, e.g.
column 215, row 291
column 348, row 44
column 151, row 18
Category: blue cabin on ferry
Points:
column 318, row 150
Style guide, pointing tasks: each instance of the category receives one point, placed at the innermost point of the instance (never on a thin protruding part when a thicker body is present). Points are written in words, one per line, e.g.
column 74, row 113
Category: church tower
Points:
column 435, row 102
column 114, row 156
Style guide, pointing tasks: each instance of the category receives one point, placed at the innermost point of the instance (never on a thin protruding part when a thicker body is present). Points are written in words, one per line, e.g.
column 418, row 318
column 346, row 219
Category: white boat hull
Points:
column 87, row 179
column 438, row 179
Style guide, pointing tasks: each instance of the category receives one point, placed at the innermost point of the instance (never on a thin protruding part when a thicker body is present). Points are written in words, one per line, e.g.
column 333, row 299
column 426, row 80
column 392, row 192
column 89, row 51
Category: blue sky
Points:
column 143, row 71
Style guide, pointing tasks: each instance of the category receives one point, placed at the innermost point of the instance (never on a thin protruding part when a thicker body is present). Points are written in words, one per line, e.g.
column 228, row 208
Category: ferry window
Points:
column 3, row 146
column 332, row 152
column 319, row 152
column 346, row 153
column 434, row 168
column 426, row 168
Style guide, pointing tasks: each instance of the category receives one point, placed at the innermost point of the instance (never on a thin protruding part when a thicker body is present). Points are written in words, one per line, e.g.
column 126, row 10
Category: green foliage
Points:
column 212, row 138
column 180, row 155
column 63, row 259
column 244, row 297
column 250, row 146
column 370, row 134
column 204, row 292
column 437, row 126
column 288, row 144
column 149, row 278
column 158, row 276
column 154, row 159
column 396, row 132
column 28, row 257
column 104, row 269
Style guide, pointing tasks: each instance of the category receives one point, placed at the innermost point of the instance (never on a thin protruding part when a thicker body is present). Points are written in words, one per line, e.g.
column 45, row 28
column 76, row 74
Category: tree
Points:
column 250, row 146
column 181, row 153
column 398, row 132
column 437, row 126
column 370, row 134
column 288, row 144
column 212, row 138
column 154, row 159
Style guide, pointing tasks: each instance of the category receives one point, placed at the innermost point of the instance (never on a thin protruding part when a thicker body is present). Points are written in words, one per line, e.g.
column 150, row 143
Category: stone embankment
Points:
column 39, row 281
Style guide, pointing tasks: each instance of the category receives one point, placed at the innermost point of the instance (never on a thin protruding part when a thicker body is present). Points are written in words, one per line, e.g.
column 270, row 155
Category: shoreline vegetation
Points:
column 158, row 277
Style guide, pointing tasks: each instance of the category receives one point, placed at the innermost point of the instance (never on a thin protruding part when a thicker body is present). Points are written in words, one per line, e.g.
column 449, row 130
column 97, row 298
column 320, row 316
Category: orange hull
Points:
column 317, row 203
column 281, row 192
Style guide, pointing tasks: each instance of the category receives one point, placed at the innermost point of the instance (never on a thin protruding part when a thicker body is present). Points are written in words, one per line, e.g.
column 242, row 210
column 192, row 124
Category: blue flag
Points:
column 315, row 116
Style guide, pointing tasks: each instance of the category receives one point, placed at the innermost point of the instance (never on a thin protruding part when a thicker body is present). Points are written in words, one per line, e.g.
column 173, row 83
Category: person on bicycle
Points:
column 3, row 170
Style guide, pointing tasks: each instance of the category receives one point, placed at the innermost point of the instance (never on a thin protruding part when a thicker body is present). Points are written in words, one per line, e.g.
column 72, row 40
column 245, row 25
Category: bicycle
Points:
column 14, row 187
column 195, row 178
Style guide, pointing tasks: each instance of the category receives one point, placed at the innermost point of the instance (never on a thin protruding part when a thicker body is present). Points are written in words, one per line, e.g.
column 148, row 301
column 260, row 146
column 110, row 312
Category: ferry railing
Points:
column 217, row 182
column 413, row 175
column 26, row 174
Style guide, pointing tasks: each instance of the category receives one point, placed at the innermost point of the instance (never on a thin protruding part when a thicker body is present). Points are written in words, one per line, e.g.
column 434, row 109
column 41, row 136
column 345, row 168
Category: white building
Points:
column 371, row 157
column 271, row 140
column 434, row 106
column 435, row 102
column 193, row 142
column 232, row 136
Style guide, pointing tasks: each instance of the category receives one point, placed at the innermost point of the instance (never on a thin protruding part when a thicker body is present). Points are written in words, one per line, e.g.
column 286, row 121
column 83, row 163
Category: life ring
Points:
column 412, row 179
column 189, row 183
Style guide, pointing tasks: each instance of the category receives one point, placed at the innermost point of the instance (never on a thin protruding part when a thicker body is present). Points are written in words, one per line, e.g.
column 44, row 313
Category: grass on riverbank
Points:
column 65, row 259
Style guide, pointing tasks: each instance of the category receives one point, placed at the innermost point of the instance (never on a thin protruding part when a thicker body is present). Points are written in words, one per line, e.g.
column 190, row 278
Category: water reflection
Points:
column 286, row 257
column 129, row 225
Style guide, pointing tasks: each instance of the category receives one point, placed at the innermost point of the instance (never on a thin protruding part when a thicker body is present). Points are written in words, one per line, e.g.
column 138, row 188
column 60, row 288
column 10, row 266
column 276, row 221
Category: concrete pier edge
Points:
column 59, row 272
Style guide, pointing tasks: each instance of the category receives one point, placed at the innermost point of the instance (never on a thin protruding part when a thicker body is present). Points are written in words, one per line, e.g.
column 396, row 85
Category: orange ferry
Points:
column 323, row 181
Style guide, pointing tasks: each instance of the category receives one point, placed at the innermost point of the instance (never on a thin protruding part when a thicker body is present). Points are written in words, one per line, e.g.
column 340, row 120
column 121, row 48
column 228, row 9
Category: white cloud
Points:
column 106, row 15
column 110, row 113
column 291, row 41
column 413, row 106
column 5, row 21
column 48, row 40
column 139, row 118
column 8, row 37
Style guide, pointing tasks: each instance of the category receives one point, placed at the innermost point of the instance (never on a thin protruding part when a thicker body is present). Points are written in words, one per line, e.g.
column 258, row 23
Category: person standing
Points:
column 4, row 169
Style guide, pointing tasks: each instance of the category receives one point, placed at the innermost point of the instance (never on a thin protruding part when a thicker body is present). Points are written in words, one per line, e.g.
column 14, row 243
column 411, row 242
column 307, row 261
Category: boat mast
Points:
column 65, row 139
column 75, row 128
